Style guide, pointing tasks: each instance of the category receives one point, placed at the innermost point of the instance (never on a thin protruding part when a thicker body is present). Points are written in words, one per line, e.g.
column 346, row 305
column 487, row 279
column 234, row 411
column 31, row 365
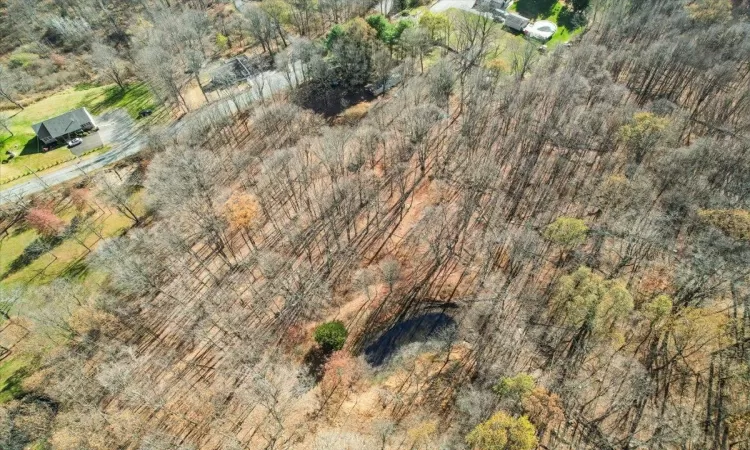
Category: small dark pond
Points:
column 417, row 329
column 329, row 100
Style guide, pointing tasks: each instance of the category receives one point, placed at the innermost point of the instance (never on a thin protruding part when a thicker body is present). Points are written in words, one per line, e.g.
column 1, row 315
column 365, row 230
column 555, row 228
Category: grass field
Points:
column 12, row 372
column 135, row 98
column 98, row 100
column 65, row 259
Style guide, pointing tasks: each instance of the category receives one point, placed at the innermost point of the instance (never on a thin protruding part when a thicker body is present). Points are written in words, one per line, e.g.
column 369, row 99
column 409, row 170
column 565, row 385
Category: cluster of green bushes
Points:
column 387, row 32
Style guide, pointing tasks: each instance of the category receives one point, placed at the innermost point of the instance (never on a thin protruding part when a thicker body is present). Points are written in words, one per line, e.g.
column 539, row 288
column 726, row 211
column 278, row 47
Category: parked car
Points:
column 144, row 113
column 73, row 142
column 542, row 30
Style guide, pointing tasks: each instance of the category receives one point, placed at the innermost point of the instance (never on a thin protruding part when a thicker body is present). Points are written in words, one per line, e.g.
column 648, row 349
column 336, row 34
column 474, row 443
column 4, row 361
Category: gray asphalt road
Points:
column 267, row 83
column 117, row 129
column 444, row 5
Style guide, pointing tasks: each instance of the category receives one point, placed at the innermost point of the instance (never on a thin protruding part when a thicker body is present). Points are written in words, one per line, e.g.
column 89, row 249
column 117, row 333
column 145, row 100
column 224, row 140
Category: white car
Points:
column 542, row 30
column 73, row 142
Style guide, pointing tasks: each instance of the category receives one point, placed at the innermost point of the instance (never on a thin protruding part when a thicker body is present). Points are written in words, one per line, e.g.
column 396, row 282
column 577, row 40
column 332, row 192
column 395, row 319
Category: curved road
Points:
column 116, row 128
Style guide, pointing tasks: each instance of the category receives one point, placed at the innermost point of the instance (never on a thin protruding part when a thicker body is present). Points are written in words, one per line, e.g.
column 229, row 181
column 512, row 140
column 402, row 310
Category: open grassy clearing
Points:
column 63, row 258
column 12, row 372
column 133, row 99
column 98, row 99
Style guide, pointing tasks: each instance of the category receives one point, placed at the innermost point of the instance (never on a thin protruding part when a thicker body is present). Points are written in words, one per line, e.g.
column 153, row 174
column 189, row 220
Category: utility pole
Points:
column 46, row 186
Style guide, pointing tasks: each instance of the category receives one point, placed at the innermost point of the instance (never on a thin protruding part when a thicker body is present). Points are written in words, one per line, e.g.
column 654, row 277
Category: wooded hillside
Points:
column 511, row 248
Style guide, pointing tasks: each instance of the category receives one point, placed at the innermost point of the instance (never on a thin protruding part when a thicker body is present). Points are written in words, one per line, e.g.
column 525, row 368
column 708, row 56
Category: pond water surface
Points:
column 417, row 329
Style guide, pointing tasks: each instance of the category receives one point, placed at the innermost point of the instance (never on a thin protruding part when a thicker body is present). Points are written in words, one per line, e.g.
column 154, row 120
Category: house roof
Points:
column 62, row 124
column 516, row 19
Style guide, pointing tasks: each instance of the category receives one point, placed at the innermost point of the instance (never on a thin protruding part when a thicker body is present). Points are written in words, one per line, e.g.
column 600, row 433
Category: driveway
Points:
column 444, row 5
column 117, row 128
column 90, row 142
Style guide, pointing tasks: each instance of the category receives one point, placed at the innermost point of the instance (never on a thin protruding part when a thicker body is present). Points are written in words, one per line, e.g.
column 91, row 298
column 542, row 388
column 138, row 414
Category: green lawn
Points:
column 12, row 247
column 62, row 260
column 552, row 10
column 23, row 143
column 535, row 9
column 98, row 100
column 30, row 161
column 67, row 259
column 135, row 98
column 12, row 372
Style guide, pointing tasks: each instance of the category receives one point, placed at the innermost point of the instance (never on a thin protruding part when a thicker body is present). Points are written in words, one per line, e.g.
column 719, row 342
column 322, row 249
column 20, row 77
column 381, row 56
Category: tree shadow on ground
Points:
column 534, row 9
column 33, row 146
column 32, row 252
column 133, row 98
column 569, row 19
column 13, row 387
column 421, row 328
column 315, row 360
column 77, row 270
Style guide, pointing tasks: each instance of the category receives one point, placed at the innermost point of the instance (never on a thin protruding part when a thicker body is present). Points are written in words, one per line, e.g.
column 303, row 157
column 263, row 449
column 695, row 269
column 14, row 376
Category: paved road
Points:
column 444, row 5
column 117, row 129
column 271, row 81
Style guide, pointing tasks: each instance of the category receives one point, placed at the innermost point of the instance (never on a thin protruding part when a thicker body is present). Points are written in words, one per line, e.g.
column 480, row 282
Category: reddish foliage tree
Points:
column 340, row 373
column 80, row 198
column 44, row 221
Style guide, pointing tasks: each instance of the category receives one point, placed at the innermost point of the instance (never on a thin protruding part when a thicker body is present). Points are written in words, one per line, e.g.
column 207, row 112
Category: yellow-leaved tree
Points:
column 567, row 233
column 642, row 134
column 242, row 211
column 710, row 10
column 592, row 307
column 503, row 432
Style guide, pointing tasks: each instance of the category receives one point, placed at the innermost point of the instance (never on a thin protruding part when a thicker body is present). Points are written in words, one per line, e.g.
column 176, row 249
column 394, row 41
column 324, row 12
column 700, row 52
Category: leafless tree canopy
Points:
column 558, row 238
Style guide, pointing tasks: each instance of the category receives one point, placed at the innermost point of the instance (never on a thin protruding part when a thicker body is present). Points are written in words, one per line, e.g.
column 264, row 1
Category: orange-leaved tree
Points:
column 45, row 222
column 242, row 211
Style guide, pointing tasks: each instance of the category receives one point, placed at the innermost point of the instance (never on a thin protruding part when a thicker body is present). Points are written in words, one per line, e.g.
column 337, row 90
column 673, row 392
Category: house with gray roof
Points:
column 64, row 126
column 516, row 22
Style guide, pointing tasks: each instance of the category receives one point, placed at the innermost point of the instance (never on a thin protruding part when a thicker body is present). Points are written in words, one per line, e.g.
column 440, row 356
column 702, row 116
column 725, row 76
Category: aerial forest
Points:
column 361, row 225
